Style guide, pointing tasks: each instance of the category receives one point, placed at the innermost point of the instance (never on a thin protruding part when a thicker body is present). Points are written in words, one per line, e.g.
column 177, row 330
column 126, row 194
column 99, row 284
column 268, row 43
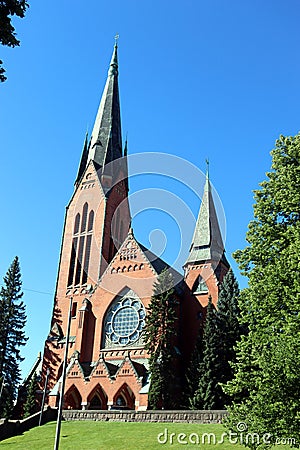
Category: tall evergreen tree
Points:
column 193, row 372
column 160, row 338
column 266, row 385
column 224, row 330
column 12, row 336
column 30, row 405
column 229, row 328
column 208, row 393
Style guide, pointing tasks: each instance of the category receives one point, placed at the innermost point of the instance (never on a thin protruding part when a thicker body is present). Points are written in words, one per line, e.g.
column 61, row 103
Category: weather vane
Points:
column 207, row 166
column 116, row 38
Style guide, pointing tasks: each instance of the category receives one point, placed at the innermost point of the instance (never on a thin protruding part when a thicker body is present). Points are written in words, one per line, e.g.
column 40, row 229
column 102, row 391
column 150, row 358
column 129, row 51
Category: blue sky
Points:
column 198, row 79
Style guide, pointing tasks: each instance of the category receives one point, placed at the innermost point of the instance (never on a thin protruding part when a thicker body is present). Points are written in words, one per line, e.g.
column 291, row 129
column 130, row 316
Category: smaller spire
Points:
column 207, row 187
column 207, row 168
column 207, row 243
column 113, row 68
column 84, row 159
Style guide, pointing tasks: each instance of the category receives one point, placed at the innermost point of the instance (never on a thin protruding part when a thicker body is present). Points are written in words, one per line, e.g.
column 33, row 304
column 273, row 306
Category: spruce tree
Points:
column 160, row 338
column 208, row 393
column 12, row 336
column 229, row 328
column 30, row 405
column 193, row 372
column 266, row 385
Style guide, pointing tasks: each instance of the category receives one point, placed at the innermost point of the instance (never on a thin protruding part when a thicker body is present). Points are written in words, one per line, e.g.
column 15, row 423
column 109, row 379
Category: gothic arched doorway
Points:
column 72, row 398
column 124, row 398
column 97, row 399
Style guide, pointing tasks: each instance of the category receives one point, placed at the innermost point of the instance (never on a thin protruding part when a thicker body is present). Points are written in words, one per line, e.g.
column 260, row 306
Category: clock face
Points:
column 125, row 321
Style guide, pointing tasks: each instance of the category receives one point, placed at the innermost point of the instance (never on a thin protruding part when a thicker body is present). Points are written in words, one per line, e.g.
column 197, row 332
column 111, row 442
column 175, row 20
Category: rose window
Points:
column 125, row 321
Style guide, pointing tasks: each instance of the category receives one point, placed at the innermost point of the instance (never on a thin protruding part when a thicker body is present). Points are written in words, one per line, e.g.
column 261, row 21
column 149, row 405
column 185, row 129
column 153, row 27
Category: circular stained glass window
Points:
column 125, row 321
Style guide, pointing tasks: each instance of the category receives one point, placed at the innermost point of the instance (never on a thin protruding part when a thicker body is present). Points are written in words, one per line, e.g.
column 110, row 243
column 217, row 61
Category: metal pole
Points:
column 61, row 398
column 44, row 396
column 2, row 386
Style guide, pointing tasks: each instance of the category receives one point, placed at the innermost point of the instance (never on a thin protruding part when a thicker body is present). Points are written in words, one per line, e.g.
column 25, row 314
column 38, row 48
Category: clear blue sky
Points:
column 198, row 79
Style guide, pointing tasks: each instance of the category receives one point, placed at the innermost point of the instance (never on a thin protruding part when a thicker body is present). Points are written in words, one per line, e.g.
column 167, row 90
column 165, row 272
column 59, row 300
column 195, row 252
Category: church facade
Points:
column 109, row 275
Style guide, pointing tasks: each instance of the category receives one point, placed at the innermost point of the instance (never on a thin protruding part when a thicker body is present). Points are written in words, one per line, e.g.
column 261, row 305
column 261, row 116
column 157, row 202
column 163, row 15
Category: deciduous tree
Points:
column 8, row 37
column 266, row 385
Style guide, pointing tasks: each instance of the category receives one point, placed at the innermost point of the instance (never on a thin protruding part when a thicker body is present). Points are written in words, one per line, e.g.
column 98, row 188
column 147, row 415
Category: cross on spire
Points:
column 207, row 167
column 117, row 38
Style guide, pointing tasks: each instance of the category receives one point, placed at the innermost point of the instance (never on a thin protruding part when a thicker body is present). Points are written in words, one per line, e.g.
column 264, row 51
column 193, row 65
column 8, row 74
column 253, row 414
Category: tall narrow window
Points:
column 91, row 221
column 72, row 262
column 81, row 248
column 76, row 225
column 79, row 260
column 84, row 217
column 86, row 258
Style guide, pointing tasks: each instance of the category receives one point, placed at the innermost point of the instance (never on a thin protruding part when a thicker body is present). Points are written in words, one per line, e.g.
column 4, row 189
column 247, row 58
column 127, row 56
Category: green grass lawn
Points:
column 90, row 435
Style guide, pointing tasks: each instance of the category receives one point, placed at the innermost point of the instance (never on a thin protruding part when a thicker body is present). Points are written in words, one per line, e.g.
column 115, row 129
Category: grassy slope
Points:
column 115, row 435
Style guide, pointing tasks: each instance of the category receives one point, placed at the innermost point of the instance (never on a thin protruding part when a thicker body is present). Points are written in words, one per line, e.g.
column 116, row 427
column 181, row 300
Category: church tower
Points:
column 206, row 264
column 204, row 269
column 110, row 277
column 97, row 221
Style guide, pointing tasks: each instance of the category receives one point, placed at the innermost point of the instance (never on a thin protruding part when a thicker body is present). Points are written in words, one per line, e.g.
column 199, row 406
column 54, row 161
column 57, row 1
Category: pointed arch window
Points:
column 200, row 286
column 91, row 220
column 84, row 217
column 81, row 247
column 77, row 222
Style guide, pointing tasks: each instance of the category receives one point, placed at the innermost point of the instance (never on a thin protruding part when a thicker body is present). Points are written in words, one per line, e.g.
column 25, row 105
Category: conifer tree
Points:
column 208, row 393
column 266, row 385
column 229, row 328
column 160, row 338
column 30, row 403
column 12, row 336
column 193, row 372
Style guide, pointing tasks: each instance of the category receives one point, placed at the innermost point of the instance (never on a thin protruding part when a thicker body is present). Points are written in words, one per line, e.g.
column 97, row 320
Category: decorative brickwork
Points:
column 110, row 277
column 148, row 416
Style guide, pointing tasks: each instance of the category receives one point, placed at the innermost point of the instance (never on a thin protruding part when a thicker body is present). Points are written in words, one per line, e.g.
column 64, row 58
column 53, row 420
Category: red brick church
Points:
column 110, row 277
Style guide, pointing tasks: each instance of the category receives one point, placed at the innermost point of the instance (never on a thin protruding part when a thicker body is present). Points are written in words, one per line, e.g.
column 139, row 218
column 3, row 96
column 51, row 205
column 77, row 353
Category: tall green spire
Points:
column 106, row 139
column 207, row 243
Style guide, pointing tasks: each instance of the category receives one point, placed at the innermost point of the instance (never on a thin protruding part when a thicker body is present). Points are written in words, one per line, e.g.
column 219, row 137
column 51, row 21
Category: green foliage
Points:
column 160, row 338
column 266, row 386
column 12, row 336
column 193, row 372
column 229, row 329
column 214, row 351
column 31, row 404
column 208, row 393
column 9, row 8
